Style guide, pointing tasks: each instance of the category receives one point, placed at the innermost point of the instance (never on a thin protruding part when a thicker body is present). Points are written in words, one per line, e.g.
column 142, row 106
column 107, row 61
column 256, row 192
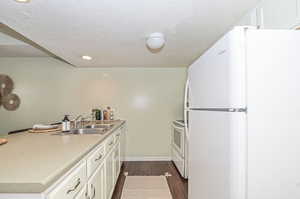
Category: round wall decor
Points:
column 6, row 85
column 11, row 102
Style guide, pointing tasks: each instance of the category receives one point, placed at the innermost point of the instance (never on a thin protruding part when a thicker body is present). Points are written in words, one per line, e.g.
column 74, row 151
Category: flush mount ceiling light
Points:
column 86, row 57
column 155, row 40
column 22, row 1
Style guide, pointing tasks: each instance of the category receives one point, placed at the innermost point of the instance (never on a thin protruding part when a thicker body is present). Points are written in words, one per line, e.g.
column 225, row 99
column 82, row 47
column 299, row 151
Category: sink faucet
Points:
column 76, row 121
column 80, row 119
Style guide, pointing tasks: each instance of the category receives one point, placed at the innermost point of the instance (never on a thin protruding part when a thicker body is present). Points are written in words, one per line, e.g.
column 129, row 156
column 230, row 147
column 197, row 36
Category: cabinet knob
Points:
column 99, row 158
column 86, row 195
column 94, row 191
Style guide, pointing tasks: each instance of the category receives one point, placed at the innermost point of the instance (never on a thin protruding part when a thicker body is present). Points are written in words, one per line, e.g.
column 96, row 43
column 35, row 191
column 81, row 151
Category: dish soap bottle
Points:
column 66, row 124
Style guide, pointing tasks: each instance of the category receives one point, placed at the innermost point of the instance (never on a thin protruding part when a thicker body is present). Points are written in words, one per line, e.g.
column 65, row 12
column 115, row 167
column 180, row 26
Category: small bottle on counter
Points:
column 105, row 115
column 66, row 124
column 99, row 115
column 108, row 112
column 111, row 114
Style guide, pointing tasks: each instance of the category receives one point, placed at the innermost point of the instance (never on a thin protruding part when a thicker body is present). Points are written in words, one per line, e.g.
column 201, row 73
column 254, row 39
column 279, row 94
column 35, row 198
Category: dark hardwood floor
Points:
column 178, row 186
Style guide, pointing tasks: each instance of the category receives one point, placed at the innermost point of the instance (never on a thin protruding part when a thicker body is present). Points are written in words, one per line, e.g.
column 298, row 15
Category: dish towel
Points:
column 44, row 127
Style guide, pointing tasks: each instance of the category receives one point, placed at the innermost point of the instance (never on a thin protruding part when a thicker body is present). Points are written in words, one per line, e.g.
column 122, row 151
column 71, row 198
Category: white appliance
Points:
column 244, row 117
column 179, row 148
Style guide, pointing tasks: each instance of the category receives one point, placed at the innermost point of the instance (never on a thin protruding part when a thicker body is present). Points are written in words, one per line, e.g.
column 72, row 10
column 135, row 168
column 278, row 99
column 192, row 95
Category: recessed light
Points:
column 86, row 57
column 22, row 1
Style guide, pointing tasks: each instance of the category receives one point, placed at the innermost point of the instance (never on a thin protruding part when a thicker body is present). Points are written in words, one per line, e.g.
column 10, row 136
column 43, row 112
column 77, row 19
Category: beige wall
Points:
column 148, row 98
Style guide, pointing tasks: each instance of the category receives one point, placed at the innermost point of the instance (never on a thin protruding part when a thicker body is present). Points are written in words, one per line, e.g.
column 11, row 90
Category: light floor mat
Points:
column 146, row 187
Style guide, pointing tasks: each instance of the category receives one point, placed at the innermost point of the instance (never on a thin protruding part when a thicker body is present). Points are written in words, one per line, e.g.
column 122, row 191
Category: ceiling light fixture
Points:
column 156, row 40
column 86, row 57
column 22, row 1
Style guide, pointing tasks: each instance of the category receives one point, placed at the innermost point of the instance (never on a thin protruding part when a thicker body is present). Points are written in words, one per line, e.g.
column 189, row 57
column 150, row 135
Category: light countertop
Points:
column 30, row 163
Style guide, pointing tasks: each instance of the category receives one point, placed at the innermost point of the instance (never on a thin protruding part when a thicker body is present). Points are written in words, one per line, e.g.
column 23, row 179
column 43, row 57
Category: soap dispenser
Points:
column 66, row 124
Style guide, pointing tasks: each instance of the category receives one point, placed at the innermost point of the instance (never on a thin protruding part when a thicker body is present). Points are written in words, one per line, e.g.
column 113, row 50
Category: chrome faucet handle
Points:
column 76, row 120
column 78, row 117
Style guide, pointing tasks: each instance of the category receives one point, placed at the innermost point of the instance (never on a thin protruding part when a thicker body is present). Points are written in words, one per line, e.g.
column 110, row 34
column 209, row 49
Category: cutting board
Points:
column 44, row 130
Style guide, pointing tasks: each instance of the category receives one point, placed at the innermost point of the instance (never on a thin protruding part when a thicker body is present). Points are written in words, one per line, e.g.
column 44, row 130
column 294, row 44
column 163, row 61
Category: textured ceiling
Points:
column 113, row 31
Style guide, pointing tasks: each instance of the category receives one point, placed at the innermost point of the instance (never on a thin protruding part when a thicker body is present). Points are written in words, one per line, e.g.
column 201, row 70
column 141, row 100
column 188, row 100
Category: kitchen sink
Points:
column 100, row 126
column 93, row 129
column 89, row 131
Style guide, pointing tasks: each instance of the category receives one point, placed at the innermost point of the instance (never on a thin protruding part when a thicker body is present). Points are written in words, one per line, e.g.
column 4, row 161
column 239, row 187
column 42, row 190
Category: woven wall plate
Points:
column 11, row 102
column 6, row 85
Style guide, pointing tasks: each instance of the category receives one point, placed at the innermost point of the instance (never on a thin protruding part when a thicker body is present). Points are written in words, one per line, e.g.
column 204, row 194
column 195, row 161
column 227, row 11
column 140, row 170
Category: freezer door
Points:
column 217, row 78
column 217, row 161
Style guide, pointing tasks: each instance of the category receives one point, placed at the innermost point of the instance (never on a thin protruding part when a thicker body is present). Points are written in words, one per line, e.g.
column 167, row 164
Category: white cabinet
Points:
column 109, row 174
column 123, row 144
column 93, row 177
column 96, row 184
column 82, row 194
column 253, row 18
column 110, row 143
column 280, row 14
column 95, row 159
column 113, row 162
column 70, row 185
column 117, row 161
column 250, row 19
column 260, row 20
column 273, row 14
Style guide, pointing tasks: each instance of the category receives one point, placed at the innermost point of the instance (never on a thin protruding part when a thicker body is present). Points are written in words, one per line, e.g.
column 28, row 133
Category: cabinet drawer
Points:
column 71, row 185
column 117, row 135
column 95, row 159
column 110, row 143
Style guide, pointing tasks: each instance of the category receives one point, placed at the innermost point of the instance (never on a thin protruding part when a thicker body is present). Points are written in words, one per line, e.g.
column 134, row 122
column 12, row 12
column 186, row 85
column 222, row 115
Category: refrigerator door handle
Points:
column 186, row 108
column 220, row 109
column 186, row 103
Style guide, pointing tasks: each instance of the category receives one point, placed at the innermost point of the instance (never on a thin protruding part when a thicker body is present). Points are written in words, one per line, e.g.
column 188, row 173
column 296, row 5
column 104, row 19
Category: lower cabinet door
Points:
column 123, row 144
column 82, row 194
column 117, row 162
column 96, row 184
column 109, row 175
column 70, row 185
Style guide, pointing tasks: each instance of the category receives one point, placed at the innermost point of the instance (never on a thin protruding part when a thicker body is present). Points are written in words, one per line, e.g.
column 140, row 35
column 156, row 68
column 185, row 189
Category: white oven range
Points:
column 180, row 148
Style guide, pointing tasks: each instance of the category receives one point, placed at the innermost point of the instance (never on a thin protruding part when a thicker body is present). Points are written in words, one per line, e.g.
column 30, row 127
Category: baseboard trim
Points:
column 148, row 158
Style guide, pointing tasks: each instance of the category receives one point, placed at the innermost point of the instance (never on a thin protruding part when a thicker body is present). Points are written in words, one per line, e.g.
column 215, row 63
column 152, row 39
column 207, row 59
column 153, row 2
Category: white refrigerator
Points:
column 244, row 117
